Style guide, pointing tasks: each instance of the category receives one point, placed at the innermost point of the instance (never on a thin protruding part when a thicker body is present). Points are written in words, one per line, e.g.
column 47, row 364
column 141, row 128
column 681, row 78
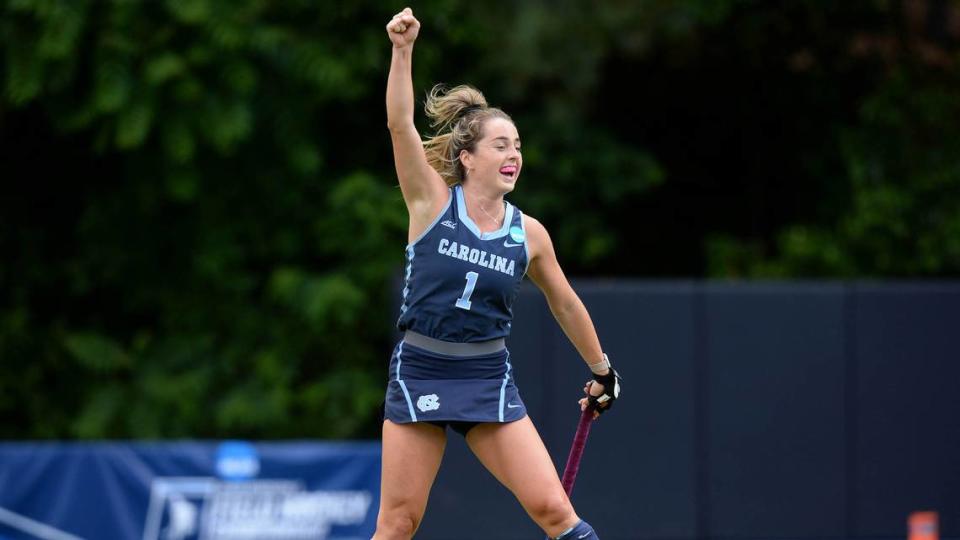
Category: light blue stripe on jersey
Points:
column 413, row 415
column 465, row 219
column 526, row 252
column 503, row 387
column 406, row 280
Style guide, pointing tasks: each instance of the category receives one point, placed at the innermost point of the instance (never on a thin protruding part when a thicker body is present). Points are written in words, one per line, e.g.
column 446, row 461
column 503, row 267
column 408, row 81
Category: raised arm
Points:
column 424, row 191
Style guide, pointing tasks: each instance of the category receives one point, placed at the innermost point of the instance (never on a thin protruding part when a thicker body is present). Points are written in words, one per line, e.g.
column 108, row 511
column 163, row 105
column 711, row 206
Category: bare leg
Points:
column 411, row 458
column 516, row 456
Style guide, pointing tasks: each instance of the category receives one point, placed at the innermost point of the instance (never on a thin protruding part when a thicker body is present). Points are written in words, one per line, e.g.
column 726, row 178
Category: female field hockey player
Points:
column 468, row 251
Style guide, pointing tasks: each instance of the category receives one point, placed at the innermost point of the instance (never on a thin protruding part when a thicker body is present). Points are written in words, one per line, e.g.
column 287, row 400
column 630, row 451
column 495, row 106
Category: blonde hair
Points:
column 458, row 115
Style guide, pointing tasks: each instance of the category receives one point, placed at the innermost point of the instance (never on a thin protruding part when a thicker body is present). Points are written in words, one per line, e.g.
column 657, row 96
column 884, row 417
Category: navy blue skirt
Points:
column 426, row 386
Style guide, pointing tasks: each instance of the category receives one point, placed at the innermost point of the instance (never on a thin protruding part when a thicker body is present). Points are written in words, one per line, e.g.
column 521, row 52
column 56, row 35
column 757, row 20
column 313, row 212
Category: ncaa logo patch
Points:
column 517, row 234
column 430, row 402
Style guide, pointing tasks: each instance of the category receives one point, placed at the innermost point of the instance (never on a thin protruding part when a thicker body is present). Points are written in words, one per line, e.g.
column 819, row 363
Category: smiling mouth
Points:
column 509, row 171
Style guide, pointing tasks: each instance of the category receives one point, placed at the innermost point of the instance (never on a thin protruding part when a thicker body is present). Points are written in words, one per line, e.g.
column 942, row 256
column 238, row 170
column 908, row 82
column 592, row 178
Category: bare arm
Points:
column 567, row 308
column 424, row 191
column 564, row 303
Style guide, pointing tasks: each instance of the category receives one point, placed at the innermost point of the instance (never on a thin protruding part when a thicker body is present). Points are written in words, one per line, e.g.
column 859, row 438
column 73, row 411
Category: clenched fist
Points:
column 403, row 28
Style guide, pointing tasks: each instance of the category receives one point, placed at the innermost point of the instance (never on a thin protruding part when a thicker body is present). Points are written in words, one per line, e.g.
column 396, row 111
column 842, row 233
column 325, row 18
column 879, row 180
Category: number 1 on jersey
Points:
column 464, row 301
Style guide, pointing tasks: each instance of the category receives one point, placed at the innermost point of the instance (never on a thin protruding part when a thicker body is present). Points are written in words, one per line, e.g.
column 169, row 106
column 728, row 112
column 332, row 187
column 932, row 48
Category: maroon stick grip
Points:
column 576, row 451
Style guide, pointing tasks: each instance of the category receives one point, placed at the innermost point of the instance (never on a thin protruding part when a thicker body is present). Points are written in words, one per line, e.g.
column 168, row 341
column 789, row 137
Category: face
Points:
column 495, row 160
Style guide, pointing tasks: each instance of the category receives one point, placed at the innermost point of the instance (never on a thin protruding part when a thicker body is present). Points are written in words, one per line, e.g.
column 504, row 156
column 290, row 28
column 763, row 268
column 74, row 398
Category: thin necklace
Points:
column 498, row 222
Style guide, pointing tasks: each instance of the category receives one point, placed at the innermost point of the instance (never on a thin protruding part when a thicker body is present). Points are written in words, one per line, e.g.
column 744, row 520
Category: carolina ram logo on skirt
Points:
column 430, row 402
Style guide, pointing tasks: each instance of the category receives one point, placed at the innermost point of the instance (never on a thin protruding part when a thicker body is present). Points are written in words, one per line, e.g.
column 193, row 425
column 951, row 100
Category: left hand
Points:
column 594, row 390
column 591, row 388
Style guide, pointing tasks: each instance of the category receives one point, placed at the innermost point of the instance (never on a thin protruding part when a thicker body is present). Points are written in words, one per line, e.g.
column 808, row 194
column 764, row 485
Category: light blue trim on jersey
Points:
column 526, row 251
column 406, row 394
column 465, row 219
column 435, row 220
column 406, row 279
column 503, row 387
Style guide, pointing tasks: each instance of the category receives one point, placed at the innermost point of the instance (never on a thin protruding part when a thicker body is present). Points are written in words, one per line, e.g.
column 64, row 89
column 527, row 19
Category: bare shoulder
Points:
column 531, row 222
column 544, row 269
column 538, row 239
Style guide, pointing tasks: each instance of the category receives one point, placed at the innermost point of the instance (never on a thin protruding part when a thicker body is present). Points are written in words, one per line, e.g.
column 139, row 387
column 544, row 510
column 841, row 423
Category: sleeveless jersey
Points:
column 460, row 283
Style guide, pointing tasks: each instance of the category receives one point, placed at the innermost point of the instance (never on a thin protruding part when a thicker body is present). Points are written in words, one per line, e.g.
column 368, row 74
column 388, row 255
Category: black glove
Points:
column 611, row 391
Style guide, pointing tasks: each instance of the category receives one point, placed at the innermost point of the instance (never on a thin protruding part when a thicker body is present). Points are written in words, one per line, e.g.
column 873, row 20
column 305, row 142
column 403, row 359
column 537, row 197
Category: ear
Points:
column 466, row 158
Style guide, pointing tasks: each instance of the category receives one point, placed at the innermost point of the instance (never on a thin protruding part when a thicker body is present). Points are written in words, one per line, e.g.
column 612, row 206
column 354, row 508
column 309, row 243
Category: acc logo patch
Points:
column 517, row 234
column 430, row 402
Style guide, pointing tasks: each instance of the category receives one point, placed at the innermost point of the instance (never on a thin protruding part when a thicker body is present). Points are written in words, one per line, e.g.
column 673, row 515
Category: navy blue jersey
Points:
column 461, row 283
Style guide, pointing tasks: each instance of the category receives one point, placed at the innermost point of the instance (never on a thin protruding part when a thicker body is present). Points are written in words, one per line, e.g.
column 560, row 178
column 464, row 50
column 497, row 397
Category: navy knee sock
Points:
column 580, row 531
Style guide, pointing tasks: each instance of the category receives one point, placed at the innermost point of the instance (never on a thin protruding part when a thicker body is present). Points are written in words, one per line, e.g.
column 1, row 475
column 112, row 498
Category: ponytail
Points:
column 457, row 115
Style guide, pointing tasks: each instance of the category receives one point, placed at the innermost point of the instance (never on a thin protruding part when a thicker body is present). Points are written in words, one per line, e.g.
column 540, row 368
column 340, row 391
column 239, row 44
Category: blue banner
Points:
column 189, row 490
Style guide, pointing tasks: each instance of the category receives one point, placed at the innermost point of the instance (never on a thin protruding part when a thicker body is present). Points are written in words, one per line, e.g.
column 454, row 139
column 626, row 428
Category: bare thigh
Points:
column 515, row 455
column 411, row 458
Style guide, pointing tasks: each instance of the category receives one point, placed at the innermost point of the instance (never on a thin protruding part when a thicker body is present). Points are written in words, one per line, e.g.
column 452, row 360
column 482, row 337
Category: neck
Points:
column 485, row 209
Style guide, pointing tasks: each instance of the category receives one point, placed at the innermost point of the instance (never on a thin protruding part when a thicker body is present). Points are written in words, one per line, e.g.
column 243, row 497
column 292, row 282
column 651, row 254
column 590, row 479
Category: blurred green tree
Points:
column 210, row 267
column 887, row 201
column 202, row 233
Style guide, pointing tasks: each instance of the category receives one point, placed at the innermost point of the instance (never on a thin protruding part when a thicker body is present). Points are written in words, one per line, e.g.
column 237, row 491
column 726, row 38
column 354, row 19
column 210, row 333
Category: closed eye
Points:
column 500, row 143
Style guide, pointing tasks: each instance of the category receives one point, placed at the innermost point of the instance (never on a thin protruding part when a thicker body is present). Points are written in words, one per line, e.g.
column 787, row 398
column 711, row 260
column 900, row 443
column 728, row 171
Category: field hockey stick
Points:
column 576, row 450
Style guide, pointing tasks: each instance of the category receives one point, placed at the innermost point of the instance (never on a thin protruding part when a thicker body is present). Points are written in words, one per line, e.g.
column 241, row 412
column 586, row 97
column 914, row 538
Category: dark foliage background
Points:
column 201, row 229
